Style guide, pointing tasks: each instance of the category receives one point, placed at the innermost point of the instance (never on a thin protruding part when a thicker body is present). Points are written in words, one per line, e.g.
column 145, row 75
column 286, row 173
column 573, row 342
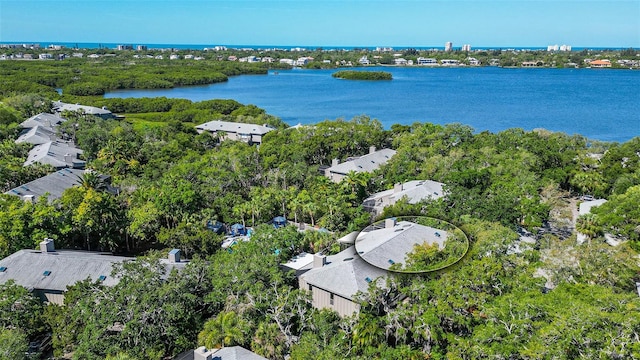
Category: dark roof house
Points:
column 47, row 272
column 366, row 163
column 53, row 184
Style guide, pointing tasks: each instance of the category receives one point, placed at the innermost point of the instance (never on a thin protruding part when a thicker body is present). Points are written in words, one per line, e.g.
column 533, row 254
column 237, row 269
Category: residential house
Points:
column 52, row 185
column 37, row 135
column 59, row 107
column 334, row 280
column 302, row 61
column 400, row 61
column 450, row 62
column 40, row 129
column 48, row 272
column 225, row 353
column 57, row 154
column 473, row 61
column 600, row 63
column 364, row 61
column 249, row 133
column 366, row 163
column 427, row 61
column 389, row 245
column 414, row 191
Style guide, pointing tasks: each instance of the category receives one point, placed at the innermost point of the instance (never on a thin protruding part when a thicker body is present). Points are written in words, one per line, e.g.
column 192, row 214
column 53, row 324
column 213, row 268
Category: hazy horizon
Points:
column 324, row 23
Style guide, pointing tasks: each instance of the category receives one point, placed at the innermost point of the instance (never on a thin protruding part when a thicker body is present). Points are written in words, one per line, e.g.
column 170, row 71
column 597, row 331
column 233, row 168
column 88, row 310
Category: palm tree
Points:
column 241, row 211
column 295, row 204
column 310, row 208
column 91, row 180
column 588, row 225
column 226, row 329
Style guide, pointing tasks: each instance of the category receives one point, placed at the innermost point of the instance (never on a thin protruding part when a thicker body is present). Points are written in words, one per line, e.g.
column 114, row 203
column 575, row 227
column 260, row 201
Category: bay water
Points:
column 601, row 104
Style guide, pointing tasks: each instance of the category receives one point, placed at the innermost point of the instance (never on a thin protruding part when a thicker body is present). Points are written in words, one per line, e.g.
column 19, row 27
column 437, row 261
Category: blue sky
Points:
column 535, row 23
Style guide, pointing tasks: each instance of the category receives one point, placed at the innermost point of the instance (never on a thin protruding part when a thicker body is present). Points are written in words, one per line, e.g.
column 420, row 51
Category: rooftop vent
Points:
column 391, row 262
column 47, row 245
column 319, row 260
column 174, row 256
column 368, row 279
column 3, row 269
column 46, row 273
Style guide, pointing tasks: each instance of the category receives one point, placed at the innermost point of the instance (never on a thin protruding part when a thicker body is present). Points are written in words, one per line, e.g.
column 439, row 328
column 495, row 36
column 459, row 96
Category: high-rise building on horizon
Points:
column 466, row 47
column 559, row 48
column 448, row 46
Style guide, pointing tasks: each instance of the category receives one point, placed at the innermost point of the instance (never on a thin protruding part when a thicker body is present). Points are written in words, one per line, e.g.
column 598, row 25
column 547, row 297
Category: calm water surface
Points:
column 599, row 104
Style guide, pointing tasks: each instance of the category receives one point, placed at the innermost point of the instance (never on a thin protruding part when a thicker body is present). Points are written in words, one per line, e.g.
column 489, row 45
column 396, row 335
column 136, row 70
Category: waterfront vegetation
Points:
column 362, row 75
column 553, row 298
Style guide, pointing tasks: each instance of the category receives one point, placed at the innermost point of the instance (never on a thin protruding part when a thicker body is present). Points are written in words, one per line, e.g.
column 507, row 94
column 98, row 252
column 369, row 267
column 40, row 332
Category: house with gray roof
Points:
column 59, row 107
column 52, row 185
column 414, row 191
column 389, row 245
column 225, row 353
column 43, row 119
column 57, row 154
column 48, row 272
column 37, row 135
column 366, row 163
column 334, row 280
column 226, row 130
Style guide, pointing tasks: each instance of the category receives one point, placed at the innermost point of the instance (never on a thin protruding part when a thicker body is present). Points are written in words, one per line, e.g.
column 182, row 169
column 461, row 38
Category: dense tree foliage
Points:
column 362, row 75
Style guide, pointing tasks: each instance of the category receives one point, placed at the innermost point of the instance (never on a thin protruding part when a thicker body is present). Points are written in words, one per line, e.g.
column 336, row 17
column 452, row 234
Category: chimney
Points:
column 389, row 223
column 174, row 256
column 47, row 246
column 335, row 162
column 319, row 260
column 372, row 149
column 68, row 158
column 397, row 188
column 202, row 353
column 28, row 198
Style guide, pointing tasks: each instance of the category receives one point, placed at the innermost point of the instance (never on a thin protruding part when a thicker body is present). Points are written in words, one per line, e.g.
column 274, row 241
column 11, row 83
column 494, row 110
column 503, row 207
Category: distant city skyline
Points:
column 412, row 23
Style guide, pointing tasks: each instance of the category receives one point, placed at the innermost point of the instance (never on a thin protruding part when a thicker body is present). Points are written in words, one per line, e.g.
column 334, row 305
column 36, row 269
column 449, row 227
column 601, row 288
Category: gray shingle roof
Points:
column 53, row 153
column 236, row 353
column 414, row 190
column 27, row 268
column 225, row 353
column 365, row 163
column 54, row 184
column 235, row 127
column 345, row 274
column 92, row 110
column 43, row 119
column 37, row 135
column 379, row 246
column 417, row 190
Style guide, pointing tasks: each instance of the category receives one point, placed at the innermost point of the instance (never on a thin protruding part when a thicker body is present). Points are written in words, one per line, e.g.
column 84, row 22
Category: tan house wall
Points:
column 321, row 299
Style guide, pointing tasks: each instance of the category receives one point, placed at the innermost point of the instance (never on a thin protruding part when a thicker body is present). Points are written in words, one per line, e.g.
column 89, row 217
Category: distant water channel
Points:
column 599, row 104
